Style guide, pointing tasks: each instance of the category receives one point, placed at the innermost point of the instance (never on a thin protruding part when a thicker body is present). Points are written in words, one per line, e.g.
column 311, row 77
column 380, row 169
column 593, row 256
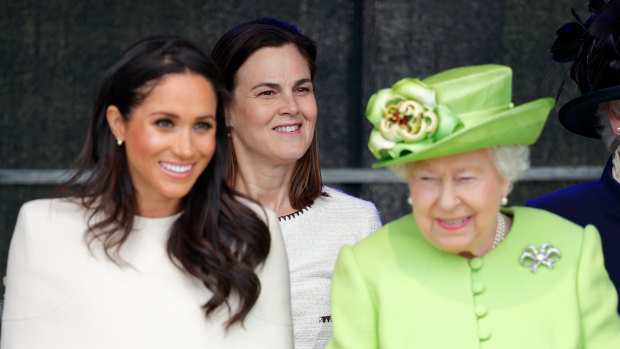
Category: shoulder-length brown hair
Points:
column 216, row 238
column 231, row 51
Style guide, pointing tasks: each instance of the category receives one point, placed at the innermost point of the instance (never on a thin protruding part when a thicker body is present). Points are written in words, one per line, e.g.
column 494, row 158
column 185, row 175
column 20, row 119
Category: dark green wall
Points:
column 53, row 52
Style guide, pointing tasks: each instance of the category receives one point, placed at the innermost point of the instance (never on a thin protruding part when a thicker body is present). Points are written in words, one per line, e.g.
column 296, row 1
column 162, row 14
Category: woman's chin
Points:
column 289, row 157
column 454, row 246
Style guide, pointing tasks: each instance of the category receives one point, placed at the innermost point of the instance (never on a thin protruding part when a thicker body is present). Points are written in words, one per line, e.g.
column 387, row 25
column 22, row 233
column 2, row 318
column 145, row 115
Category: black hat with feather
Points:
column 593, row 47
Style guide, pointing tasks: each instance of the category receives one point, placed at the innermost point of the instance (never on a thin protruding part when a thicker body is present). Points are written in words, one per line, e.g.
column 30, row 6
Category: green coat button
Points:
column 480, row 310
column 475, row 263
column 477, row 287
column 484, row 334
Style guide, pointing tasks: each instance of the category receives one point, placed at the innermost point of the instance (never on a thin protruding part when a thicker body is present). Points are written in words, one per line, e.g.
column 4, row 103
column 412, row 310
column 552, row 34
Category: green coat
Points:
column 395, row 290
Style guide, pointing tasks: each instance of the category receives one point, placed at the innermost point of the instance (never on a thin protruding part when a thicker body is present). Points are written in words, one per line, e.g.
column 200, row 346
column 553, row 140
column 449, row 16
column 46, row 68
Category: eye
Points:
column 206, row 125
column 303, row 90
column 427, row 182
column 466, row 178
column 267, row 93
column 427, row 178
column 164, row 123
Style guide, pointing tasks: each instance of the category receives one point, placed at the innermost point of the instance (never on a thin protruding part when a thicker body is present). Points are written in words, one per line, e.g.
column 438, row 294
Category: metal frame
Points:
column 330, row 175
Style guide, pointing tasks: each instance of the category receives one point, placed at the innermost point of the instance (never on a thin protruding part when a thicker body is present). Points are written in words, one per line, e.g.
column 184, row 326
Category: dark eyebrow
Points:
column 201, row 118
column 275, row 86
column 166, row 114
column 265, row 84
column 303, row 81
column 175, row 116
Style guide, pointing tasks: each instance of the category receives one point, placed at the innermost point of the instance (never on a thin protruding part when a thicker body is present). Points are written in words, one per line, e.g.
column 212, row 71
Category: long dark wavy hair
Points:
column 216, row 238
column 231, row 51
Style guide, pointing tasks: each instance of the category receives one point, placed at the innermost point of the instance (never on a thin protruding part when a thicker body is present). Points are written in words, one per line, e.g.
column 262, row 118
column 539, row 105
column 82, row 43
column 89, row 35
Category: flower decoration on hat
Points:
column 409, row 121
column 457, row 110
column 406, row 118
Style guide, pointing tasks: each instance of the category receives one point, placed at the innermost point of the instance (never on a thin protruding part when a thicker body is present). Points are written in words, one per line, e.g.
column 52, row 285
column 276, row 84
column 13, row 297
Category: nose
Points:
column 289, row 104
column 448, row 198
column 183, row 145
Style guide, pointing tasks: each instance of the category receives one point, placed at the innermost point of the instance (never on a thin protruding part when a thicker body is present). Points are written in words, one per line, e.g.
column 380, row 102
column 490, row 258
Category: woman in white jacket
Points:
column 154, row 250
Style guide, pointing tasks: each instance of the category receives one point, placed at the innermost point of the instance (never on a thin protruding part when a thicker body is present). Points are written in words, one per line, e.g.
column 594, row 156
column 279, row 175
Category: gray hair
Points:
column 511, row 162
column 611, row 140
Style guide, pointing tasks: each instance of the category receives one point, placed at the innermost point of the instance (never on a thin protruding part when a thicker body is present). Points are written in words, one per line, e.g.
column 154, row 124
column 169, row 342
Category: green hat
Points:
column 455, row 111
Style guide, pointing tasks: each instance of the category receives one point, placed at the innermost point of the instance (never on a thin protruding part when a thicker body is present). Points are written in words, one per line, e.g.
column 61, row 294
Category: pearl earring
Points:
column 410, row 201
column 119, row 142
column 504, row 201
column 618, row 129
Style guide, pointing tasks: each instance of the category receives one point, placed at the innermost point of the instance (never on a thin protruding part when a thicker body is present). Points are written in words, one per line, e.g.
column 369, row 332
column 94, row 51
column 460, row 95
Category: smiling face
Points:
column 456, row 199
column 169, row 140
column 273, row 112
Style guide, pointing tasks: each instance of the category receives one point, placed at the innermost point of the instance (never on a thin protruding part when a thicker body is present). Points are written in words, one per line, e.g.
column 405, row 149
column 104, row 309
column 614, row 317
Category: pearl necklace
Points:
column 500, row 232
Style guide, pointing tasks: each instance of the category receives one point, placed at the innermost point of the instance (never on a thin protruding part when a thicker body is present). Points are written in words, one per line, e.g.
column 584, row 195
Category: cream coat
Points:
column 60, row 295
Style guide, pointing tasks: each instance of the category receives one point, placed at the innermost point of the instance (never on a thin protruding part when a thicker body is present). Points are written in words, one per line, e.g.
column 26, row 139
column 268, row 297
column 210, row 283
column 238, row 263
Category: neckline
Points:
column 301, row 211
column 608, row 188
column 142, row 222
column 290, row 216
column 511, row 213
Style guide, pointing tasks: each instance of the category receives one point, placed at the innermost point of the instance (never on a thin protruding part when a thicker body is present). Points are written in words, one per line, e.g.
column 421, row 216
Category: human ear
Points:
column 614, row 118
column 504, row 188
column 229, row 116
column 116, row 122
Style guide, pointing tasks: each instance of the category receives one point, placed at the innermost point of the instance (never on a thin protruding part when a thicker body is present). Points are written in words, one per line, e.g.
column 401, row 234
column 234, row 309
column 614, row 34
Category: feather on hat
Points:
column 593, row 47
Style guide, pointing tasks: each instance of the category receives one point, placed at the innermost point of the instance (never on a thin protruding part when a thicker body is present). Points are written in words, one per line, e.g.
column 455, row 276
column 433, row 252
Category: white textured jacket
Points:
column 313, row 238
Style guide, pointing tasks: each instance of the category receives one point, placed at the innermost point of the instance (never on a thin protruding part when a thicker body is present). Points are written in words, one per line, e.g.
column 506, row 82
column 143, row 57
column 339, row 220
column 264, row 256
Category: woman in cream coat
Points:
column 154, row 250
column 460, row 271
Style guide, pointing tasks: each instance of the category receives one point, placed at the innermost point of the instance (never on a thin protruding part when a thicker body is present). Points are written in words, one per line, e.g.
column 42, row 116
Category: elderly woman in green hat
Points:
column 462, row 271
